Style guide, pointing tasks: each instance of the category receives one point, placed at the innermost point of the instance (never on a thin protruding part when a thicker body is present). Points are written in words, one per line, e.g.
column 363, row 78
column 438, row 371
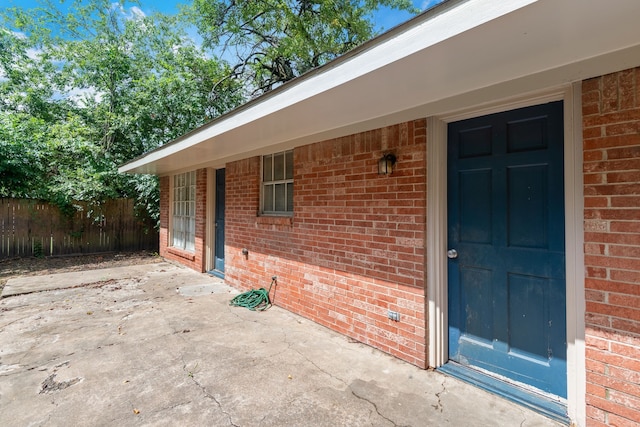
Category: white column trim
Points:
column 437, row 241
column 170, row 219
column 209, row 244
column 574, row 243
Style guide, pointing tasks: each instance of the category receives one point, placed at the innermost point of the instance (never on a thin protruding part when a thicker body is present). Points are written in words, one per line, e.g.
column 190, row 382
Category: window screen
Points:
column 184, row 211
column 277, row 183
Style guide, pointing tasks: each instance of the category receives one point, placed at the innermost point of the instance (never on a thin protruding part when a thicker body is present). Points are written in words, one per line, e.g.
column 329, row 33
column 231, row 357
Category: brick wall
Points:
column 611, row 123
column 195, row 260
column 355, row 246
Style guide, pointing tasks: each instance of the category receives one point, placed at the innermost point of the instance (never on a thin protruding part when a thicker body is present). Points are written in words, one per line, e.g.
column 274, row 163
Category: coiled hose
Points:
column 254, row 300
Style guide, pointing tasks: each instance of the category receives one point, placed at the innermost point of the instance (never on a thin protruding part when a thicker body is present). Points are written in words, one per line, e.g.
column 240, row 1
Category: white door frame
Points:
column 210, row 233
column 574, row 236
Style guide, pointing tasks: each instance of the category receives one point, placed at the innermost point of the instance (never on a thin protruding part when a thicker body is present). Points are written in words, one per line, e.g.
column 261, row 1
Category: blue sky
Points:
column 385, row 19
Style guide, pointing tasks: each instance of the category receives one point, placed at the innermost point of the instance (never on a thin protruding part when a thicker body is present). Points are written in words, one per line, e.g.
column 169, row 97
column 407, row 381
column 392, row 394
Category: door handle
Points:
column 452, row 254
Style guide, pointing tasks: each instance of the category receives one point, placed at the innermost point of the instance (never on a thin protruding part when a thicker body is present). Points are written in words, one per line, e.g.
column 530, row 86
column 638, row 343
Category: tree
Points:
column 99, row 84
column 19, row 162
column 272, row 41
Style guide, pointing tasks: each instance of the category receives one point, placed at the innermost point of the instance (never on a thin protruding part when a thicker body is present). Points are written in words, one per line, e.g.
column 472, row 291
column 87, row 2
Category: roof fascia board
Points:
column 529, row 87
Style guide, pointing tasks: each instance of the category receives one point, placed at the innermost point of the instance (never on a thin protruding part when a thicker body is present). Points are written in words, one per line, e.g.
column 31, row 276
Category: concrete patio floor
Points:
column 159, row 345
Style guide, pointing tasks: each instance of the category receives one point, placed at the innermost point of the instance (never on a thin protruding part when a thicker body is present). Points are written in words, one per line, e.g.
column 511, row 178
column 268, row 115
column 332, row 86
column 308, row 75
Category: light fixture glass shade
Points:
column 385, row 164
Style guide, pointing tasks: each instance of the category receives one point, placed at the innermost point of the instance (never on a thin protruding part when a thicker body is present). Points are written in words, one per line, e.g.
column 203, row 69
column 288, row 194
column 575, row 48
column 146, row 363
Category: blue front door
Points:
column 219, row 221
column 506, row 225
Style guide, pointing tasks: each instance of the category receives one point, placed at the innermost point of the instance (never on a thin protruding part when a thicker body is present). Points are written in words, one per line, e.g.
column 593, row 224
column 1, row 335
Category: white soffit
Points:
column 417, row 69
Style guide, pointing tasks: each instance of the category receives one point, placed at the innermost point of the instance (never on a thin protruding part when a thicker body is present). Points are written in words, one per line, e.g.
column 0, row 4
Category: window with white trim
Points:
column 277, row 184
column 183, row 230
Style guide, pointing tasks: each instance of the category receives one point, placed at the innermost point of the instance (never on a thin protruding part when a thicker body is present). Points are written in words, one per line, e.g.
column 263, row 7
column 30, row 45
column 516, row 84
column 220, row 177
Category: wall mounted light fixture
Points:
column 385, row 164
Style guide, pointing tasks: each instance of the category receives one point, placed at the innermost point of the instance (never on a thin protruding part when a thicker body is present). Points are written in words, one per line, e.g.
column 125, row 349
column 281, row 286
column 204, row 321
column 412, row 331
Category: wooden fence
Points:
column 35, row 228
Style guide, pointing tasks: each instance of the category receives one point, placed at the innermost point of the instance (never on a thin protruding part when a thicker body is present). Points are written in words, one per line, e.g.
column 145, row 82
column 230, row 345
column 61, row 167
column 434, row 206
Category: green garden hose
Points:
column 255, row 299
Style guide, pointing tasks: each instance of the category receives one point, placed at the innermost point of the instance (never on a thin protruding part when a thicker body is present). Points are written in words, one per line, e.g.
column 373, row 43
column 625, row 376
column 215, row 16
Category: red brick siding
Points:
column 195, row 260
column 611, row 131
column 355, row 246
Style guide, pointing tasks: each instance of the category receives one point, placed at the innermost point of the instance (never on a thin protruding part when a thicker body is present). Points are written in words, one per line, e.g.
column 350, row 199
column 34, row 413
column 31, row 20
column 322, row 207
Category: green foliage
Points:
column 38, row 251
column 273, row 41
column 85, row 90
column 20, row 160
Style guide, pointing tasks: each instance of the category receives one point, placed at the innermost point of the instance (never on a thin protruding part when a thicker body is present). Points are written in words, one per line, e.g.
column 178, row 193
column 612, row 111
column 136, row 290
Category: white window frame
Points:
column 183, row 211
column 271, row 183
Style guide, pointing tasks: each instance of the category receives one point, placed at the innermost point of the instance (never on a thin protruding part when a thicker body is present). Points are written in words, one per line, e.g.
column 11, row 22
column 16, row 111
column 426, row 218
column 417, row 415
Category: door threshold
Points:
column 216, row 273
column 545, row 405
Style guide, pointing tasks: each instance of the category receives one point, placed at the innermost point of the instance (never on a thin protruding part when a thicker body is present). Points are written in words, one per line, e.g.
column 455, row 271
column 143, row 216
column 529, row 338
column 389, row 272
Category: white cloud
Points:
column 137, row 12
column 17, row 34
column 31, row 52
column 134, row 13
column 34, row 53
column 81, row 96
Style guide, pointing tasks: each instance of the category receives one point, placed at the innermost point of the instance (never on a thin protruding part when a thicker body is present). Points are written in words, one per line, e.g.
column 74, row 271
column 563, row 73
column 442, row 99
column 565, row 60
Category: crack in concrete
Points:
column 232, row 310
column 28, row 352
column 50, row 385
column 374, row 407
column 92, row 285
column 40, row 366
column 304, row 356
column 438, row 406
column 329, row 374
column 524, row 418
column 14, row 321
column 173, row 407
column 207, row 394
